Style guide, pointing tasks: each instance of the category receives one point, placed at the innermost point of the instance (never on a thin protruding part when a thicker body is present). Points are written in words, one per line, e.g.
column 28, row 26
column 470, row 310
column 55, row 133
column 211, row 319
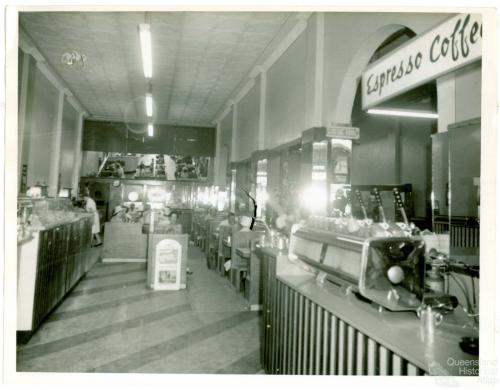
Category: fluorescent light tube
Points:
column 411, row 114
column 147, row 58
column 150, row 129
column 149, row 105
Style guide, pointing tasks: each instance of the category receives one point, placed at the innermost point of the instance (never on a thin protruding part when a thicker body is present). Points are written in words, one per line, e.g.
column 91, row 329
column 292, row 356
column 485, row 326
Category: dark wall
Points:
column 174, row 140
column 465, row 165
column 394, row 150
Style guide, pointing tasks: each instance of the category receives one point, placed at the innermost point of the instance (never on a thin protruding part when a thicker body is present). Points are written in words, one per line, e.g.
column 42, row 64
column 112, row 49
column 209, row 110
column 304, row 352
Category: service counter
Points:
column 124, row 242
column 312, row 327
column 111, row 192
column 49, row 264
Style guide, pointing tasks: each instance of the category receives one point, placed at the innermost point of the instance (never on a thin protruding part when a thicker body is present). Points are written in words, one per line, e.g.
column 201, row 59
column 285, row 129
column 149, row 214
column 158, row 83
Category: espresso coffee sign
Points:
column 452, row 44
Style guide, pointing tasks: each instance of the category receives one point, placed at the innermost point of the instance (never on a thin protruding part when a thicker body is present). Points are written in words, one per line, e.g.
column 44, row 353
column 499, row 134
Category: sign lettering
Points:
column 343, row 132
column 454, row 43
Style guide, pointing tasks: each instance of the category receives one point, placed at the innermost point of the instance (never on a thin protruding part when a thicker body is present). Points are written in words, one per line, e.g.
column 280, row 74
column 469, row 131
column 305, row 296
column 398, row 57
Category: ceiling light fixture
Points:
column 411, row 114
column 149, row 105
column 73, row 57
column 150, row 129
column 147, row 57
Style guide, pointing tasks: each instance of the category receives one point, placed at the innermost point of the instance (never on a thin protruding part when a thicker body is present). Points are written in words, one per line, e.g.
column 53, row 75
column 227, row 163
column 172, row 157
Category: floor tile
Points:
column 112, row 322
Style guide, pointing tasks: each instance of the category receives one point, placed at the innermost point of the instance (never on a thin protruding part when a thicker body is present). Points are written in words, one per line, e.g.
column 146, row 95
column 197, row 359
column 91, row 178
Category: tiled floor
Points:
column 112, row 323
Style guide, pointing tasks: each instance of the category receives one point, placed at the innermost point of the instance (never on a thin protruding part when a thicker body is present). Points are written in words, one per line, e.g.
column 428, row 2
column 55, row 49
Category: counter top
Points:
column 48, row 226
column 274, row 252
column 25, row 239
column 397, row 331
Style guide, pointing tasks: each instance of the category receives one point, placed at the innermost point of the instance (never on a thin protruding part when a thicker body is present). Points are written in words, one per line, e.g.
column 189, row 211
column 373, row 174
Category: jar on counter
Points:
column 434, row 280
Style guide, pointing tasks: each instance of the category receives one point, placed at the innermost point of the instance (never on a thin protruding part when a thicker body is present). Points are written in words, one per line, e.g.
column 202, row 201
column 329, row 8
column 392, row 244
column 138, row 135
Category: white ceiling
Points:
column 199, row 58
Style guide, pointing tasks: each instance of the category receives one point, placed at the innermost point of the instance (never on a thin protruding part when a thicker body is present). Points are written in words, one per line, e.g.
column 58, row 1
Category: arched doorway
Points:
column 379, row 43
column 396, row 150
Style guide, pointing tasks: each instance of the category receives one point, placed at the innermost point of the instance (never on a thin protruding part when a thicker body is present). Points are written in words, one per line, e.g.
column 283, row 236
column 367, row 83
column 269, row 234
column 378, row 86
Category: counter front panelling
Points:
column 61, row 258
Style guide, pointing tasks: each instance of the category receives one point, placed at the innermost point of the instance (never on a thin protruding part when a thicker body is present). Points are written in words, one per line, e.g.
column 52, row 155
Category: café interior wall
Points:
column 40, row 123
column 374, row 154
column 291, row 79
column 90, row 162
column 24, row 142
column 468, row 92
column 224, row 143
column 393, row 151
column 290, row 102
column 68, row 136
column 288, row 79
column 247, row 123
column 415, row 157
column 459, row 95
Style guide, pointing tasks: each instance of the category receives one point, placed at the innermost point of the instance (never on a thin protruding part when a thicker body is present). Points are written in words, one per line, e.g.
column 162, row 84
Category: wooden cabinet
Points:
column 62, row 258
column 77, row 260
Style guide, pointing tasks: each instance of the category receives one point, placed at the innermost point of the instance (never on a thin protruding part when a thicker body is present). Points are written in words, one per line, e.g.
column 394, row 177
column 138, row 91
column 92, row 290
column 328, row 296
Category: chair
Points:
column 212, row 245
column 223, row 253
column 239, row 264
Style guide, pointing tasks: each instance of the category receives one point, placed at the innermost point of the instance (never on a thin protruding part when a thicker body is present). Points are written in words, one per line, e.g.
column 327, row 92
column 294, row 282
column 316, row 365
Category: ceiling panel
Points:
column 199, row 58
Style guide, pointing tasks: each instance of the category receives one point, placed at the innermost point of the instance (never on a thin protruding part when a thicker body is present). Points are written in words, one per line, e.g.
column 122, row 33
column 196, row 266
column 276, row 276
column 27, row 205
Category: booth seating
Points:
column 206, row 233
column 240, row 256
column 214, row 256
column 202, row 237
column 196, row 228
column 211, row 244
column 224, row 247
column 198, row 216
column 193, row 232
column 124, row 242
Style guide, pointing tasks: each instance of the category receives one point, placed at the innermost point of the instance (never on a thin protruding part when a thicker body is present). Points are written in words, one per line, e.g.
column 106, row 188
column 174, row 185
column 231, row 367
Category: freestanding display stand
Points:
column 167, row 265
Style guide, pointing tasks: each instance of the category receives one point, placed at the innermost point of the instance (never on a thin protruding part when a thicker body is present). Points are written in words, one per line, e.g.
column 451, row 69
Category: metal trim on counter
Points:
column 339, row 240
column 84, row 215
column 145, row 180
